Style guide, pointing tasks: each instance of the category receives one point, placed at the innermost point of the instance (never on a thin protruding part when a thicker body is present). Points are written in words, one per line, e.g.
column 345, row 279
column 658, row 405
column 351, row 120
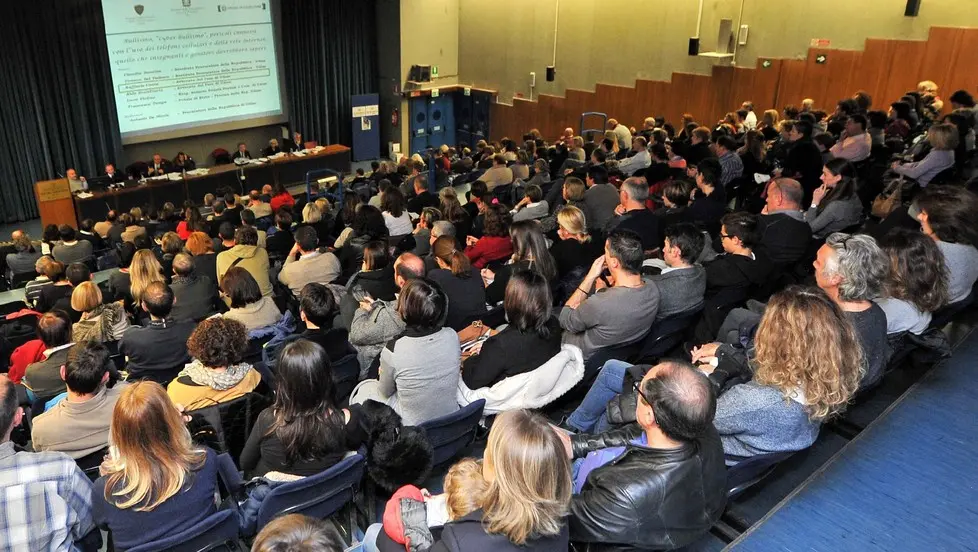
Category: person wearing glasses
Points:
column 657, row 483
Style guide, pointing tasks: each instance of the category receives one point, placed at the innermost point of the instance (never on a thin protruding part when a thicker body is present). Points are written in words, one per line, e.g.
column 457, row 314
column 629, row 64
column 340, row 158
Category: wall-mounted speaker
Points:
column 913, row 8
column 420, row 73
column 694, row 46
column 551, row 73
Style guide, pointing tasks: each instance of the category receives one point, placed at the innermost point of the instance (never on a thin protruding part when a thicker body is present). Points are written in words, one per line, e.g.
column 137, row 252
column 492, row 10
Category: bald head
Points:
column 682, row 400
column 183, row 265
column 408, row 266
column 784, row 194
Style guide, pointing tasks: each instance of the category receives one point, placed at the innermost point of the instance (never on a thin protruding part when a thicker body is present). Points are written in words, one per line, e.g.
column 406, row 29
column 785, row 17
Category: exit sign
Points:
column 434, row 70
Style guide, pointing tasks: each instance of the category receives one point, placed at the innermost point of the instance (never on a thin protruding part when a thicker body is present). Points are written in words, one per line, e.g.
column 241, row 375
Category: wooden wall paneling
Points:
column 551, row 110
column 816, row 78
column 645, row 92
column 901, row 74
column 700, row 99
column 721, row 98
column 791, row 85
column 765, row 86
column 500, row 116
column 575, row 104
column 742, row 88
column 940, row 56
column 679, row 95
column 833, row 77
column 964, row 75
column 870, row 73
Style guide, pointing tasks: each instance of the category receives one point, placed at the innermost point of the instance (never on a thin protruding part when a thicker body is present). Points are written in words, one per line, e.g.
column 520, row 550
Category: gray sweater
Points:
column 419, row 375
column 836, row 216
column 370, row 330
column 757, row 419
column 962, row 268
column 926, row 169
column 612, row 316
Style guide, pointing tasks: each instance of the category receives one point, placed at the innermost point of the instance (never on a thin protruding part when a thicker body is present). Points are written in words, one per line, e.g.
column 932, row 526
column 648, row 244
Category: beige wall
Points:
column 501, row 42
column 429, row 36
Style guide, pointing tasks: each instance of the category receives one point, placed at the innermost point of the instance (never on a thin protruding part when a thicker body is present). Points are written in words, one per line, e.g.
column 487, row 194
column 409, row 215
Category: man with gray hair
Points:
column 635, row 216
column 785, row 235
column 193, row 294
column 851, row 269
column 438, row 229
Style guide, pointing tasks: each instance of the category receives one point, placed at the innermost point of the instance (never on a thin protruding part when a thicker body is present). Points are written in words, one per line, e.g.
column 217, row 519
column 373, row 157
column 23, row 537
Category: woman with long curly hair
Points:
column 155, row 482
column 917, row 283
column 806, row 366
column 305, row 431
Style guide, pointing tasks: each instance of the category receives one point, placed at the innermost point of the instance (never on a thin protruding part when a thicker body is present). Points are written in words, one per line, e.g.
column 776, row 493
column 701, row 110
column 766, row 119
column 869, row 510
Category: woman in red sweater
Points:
column 281, row 197
column 495, row 243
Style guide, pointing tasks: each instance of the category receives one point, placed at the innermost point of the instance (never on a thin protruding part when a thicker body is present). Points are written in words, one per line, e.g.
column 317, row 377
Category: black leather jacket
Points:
column 648, row 499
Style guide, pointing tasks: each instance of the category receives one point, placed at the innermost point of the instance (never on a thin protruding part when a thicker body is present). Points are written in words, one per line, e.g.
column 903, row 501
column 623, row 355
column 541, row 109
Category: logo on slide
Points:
column 138, row 8
column 186, row 3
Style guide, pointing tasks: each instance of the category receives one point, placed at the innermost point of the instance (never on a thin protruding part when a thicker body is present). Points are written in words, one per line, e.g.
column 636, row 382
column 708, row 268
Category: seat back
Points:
column 318, row 496
column 346, row 372
column 615, row 352
column 90, row 463
column 20, row 280
column 218, row 531
column 450, row 434
column 666, row 334
column 226, row 426
column 748, row 472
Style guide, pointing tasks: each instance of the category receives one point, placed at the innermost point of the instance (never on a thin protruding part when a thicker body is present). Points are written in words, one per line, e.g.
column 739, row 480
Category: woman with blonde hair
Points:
column 575, row 250
column 806, row 366
column 610, row 135
column 529, row 490
column 943, row 139
column 143, row 271
column 769, row 124
column 155, row 482
column 102, row 323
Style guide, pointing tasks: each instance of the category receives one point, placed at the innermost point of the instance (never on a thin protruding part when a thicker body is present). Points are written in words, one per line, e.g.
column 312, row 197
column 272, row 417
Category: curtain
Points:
column 330, row 54
column 56, row 104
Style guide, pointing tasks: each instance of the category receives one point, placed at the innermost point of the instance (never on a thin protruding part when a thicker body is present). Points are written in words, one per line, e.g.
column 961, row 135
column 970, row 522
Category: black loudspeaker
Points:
column 551, row 73
column 913, row 8
column 694, row 46
column 480, row 115
column 420, row 73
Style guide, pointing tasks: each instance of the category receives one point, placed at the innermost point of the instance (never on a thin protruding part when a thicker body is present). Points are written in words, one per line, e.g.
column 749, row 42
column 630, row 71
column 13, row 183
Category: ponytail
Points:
column 444, row 249
column 461, row 267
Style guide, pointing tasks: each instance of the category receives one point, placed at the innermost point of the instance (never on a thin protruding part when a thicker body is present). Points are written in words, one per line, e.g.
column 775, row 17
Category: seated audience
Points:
column 201, row 246
column 396, row 216
column 805, row 367
column 855, row 144
column 60, row 288
column 132, row 229
column 102, row 227
column 258, row 206
column 156, row 483
column 635, row 216
column 99, row 322
column 216, row 374
column 452, row 211
column 304, row 432
column 804, row 161
column 532, row 330
column 193, row 294
column 422, row 232
column 120, row 281
column 317, row 309
column 248, row 306
column 419, row 371
column 192, row 222
column 70, row 249
column 280, row 197
column 314, row 217
column 170, row 245
column 79, row 424
column 943, row 139
column 682, row 283
column 280, row 242
column 529, row 487
column 532, row 206
column 23, row 258
column 460, row 282
column 731, row 165
column 638, row 162
column 33, row 289
column 529, row 253
column 43, row 378
column 835, row 205
column 574, row 249
column 307, row 264
column 498, row 175
column 657, row 484
column 248, row 256
column 600, row 199
column 299, row 533
column 710, row 200
column 785, row 237
column 248, row 220
column 619, row 311
column 916, row 284
column 47, row 498
column 422, row 197
column 495, row 244
column 377, row 322
column 947, row 215
column 158, row 350
column 143, row 271
column 376, row 274
column 368, row 225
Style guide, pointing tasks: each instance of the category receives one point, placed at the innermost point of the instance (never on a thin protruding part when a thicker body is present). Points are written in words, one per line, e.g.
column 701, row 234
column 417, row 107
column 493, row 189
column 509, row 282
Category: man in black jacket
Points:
column 804, row 162
column 658, row 484
column 785, row 235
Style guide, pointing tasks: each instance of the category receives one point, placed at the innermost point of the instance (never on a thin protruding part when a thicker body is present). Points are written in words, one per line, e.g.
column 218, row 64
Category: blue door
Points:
column 441, row 121
column 418, row 111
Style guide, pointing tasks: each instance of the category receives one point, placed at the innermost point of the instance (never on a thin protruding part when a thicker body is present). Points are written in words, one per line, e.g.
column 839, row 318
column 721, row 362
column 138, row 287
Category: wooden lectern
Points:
column 55, row 203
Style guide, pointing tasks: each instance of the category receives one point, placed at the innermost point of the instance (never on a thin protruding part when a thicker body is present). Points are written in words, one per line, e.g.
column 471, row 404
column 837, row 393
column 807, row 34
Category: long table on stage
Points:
column 287, row 171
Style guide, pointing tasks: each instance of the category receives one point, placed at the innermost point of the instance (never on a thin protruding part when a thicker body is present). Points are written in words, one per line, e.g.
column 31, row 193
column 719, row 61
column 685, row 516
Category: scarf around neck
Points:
column 219, row 381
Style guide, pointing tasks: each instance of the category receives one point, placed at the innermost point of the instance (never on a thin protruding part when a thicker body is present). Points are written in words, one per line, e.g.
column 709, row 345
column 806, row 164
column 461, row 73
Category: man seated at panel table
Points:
column 296, row 143
column 158, row 166
column 113, row 175
column 242, row 152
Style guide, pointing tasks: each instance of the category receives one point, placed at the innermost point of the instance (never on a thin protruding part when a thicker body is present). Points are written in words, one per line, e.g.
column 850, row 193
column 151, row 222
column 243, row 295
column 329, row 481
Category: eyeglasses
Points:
column 722, row 236
column 637, row 386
